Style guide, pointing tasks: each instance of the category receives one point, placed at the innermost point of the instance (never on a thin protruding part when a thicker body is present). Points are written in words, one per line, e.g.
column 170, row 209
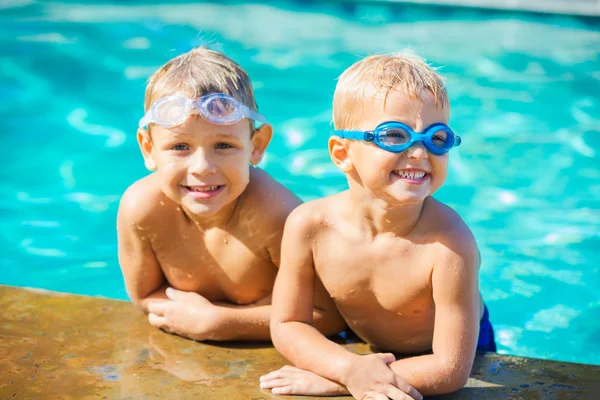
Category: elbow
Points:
column 457, row 382
column 457, row 378
column 276, row 329
column 138, row 301
column 140, row 304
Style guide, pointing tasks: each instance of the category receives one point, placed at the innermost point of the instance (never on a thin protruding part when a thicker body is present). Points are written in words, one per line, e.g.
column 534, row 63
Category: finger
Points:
column 282, row 390
column 271, row 375
column 157, row 321
column 396, row 394
column 408, row 389
column 158, row 307
column 174, row 294
column 374, row 396
column 274, row 383
column 387, row 357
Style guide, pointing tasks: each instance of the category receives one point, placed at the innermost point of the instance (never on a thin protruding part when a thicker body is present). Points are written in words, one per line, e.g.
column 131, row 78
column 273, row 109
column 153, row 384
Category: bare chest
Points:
column 390, row 278
column 219, row 265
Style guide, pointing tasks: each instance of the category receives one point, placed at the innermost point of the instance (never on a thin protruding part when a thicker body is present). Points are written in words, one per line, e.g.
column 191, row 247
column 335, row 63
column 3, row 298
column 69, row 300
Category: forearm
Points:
column 248, row 322
column 430, row 375
column 308, row 349
column 251, row 322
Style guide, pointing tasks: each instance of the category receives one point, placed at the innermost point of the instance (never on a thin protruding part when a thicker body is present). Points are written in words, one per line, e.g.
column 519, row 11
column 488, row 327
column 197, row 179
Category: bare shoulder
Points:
column 454, row 239
column 268, row 198
column 142, row 201
column 313, row 216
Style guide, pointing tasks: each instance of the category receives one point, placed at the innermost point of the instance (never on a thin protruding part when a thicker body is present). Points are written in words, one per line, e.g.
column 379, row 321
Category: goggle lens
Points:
column 173, row 109
column 394, row 137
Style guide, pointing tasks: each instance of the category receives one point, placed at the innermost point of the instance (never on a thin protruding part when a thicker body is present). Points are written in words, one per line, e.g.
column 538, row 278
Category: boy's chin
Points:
column 404, row 198
column 203, row 210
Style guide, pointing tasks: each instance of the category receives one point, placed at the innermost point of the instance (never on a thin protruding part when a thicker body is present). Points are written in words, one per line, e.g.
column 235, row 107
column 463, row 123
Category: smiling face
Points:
column 203, row 166
column 399, row 178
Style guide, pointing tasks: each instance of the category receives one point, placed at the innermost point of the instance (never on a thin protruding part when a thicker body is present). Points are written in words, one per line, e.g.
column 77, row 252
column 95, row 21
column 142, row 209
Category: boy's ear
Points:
column 260, row 140
column 146, row 146
column 338, row 151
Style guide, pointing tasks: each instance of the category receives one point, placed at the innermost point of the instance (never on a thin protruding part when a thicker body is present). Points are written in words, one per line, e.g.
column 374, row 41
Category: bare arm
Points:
column 292, row 320
column 251, row 322
column 143, row 276
column 456, row 297
column 292, row 329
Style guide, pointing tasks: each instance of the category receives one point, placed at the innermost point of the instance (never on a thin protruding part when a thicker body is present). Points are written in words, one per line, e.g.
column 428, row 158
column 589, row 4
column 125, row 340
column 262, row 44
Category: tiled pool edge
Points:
column 57, row 345
column 582, row 8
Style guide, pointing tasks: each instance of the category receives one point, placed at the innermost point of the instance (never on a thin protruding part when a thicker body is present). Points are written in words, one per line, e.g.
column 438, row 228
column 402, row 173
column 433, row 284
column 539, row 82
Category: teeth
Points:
column 203, row 189
column 416, row 175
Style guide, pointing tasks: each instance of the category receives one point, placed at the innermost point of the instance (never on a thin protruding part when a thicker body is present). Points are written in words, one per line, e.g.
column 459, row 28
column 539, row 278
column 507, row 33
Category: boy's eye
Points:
column 180, row 147
column 439, row 139
column 222, row 146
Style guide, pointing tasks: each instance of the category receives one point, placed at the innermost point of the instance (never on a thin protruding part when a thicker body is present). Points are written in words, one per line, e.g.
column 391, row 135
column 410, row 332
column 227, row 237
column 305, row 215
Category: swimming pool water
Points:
column 524, row 92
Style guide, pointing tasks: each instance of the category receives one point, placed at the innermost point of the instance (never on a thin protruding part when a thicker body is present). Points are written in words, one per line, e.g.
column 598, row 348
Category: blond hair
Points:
column 403, row 71
column 197, row 72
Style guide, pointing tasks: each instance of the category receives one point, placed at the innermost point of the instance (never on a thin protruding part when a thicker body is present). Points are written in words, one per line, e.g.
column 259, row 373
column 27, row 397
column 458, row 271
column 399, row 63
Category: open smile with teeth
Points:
column 412, row 175
column 203, row 188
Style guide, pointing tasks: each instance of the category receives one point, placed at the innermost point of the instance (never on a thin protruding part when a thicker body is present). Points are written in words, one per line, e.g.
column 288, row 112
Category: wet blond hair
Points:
column 197, row 72
column 403, row 71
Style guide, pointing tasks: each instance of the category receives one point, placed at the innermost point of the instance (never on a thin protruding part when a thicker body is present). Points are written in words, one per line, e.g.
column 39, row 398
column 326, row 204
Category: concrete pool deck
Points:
column 63, row 346
column 588, row 8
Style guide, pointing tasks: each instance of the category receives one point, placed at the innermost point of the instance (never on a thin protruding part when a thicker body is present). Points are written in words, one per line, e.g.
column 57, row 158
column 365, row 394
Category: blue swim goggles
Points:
column 396, row 137
column 217, row 108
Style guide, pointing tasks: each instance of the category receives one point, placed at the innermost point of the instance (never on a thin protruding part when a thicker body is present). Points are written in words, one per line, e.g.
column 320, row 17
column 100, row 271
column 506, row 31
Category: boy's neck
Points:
column 377, row 216
column 219, row 220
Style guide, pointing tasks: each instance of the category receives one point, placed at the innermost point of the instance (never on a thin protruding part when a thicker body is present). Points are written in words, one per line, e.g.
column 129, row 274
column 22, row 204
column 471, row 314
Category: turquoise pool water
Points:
column 524, row 93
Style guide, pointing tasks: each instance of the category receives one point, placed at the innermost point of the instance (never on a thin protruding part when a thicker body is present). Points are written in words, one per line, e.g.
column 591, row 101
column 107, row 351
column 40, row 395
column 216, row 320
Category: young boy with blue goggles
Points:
column 199, row 238
column 401, row 267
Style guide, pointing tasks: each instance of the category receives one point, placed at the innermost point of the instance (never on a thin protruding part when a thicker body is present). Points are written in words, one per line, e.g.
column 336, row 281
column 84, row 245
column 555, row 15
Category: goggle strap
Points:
column 144, row 121
column 252, row 114
column 355, row 135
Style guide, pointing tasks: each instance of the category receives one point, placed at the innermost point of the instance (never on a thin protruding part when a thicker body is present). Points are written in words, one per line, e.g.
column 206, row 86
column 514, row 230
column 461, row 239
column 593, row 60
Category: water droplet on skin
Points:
column 162, row 203
column 225, row 241
column 178, row 208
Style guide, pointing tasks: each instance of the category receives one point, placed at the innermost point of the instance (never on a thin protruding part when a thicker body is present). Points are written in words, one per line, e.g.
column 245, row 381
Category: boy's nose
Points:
column 417, row 151
column 201, row 164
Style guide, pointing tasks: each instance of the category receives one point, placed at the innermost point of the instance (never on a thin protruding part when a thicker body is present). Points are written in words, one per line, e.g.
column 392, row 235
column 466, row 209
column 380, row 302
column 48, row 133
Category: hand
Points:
column 186, row 314
column 292, row 380
column 370, row 376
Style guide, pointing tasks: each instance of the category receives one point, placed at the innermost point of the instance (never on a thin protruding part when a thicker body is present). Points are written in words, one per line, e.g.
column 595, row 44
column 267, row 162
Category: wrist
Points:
column 344, row 368
column 222, row 322
column 210, row 324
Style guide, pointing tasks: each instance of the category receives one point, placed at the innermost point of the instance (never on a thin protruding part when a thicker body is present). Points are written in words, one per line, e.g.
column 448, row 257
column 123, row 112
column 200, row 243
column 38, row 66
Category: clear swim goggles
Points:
column 396, row 137
column 216, row 108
